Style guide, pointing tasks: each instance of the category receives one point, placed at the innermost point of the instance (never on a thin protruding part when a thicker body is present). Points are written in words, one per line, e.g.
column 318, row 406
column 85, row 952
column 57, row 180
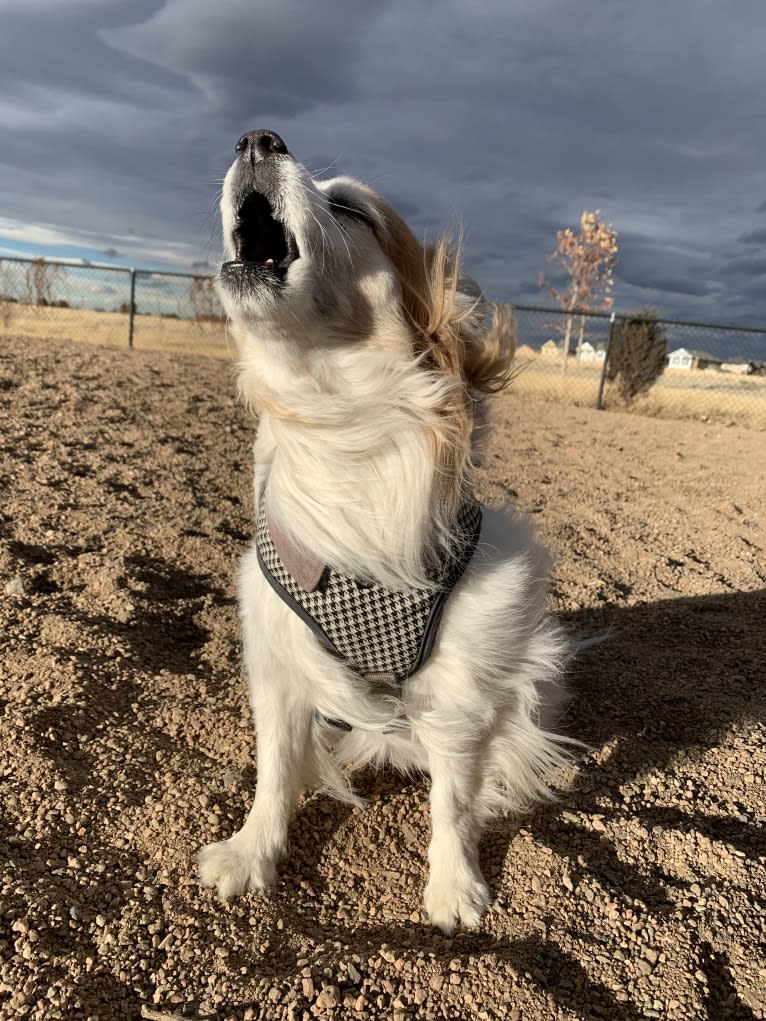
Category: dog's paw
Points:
column 233, row 868
column 451, row 903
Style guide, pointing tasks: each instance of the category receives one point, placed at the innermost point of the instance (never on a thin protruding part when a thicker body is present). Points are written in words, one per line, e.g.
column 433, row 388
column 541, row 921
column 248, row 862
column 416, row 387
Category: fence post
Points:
column 132, row 308
column 600, row 394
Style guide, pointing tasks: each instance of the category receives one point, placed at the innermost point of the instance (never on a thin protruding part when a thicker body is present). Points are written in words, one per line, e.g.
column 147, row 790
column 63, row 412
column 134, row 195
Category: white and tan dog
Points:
column 367, row 357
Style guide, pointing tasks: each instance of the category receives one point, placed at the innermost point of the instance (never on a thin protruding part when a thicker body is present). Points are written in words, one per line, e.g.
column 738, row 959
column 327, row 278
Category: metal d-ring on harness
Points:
column 382, row 634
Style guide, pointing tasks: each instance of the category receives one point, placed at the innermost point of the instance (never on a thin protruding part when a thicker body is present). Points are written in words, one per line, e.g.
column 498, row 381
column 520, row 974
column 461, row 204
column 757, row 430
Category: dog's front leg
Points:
column 456, row 893
column 248, row 860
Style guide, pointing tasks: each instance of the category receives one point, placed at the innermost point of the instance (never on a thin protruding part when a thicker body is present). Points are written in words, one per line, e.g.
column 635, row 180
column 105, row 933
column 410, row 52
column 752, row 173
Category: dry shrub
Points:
column 637, row 354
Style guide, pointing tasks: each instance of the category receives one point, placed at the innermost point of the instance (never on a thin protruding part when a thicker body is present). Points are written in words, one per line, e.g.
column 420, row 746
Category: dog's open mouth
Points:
column 262, row 241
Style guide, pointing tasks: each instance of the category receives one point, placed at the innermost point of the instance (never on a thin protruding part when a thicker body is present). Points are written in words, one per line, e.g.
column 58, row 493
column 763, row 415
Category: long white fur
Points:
column 343, row 448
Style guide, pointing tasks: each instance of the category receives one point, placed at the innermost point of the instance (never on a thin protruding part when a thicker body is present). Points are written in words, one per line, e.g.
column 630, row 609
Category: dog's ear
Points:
column 471, row 301
column 469, row 288
column 478, row 348
column 446, row 308
column 352, row 198
column 487, row 335
column 489, row 350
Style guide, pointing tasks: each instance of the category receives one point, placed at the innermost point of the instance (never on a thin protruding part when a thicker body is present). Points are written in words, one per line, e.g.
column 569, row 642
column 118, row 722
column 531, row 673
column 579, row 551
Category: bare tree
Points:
column 40, row 277
column 589, row 258
column 7, row 297
column 204, row 300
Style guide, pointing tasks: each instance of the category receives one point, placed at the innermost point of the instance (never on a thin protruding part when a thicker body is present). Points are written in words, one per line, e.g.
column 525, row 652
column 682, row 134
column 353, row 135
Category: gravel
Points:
column 126, row 741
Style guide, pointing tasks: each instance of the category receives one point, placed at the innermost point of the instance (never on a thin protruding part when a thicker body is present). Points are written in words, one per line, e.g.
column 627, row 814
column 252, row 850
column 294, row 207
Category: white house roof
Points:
column 692, row 353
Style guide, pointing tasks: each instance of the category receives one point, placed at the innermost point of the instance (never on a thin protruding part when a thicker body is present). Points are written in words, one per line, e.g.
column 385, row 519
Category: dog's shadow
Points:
column 668, row 677
column 671, row 679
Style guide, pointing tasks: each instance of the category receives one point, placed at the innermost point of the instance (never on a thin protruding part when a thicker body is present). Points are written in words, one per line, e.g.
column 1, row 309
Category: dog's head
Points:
column 331, row 262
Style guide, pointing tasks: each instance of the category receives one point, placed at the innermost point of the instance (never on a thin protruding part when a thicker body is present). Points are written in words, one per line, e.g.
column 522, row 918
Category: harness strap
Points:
column 383, row 635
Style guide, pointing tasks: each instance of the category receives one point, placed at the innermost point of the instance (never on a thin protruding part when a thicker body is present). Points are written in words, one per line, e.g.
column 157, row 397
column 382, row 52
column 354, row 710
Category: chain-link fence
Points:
column 658, row 367
column 110, row 305
column 709, row 372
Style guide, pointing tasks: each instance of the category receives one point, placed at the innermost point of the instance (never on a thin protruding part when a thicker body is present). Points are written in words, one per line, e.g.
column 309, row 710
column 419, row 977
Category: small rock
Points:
column 15, row 587
column 353, row 974
column 328, row 998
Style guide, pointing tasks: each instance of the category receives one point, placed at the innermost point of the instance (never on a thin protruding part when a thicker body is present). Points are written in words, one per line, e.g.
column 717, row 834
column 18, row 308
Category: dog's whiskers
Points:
column 323, row 170
column 344, row 237
column 325, row 237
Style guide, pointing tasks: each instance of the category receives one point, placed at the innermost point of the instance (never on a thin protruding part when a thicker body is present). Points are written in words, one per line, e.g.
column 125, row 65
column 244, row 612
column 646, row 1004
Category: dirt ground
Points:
column 126, row 740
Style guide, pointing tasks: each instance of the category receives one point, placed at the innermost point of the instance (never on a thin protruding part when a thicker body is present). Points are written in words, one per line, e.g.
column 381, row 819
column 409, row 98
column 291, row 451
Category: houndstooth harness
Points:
column 383, row 635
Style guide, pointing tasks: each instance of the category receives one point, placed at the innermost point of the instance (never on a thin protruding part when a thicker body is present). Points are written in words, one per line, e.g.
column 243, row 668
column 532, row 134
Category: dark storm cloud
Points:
column 754, row 237
column 654, row 267
column 755, row 288
column 284, row 56
column 743, row 266
column 506, row 118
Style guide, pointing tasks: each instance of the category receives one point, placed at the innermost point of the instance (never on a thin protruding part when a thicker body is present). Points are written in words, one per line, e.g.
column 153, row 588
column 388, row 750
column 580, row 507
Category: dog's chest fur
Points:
column 382, row 634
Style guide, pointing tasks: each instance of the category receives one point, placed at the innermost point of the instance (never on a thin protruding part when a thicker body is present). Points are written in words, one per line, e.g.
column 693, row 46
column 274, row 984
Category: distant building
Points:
column 684, row 358
column 550, row 349
column 589, row 353
column 742, row 368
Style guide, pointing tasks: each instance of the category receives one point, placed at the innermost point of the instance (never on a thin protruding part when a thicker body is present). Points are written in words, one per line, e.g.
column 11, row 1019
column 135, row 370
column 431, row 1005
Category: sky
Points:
column 505, row 118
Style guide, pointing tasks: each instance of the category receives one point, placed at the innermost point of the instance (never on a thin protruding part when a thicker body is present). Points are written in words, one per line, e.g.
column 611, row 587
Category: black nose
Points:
column 262, row 144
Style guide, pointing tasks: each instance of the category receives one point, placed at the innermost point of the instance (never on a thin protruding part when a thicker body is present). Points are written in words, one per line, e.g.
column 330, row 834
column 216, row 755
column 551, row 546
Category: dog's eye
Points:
column 352, row 211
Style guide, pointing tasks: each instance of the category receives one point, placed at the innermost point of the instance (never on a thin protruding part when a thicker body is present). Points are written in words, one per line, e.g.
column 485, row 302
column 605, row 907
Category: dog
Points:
column 386, row 617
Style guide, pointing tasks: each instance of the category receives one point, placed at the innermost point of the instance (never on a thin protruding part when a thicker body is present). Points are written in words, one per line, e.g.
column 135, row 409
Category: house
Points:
column 742, row 368
column 680, row 359
column 589, row 353
column 685, row 358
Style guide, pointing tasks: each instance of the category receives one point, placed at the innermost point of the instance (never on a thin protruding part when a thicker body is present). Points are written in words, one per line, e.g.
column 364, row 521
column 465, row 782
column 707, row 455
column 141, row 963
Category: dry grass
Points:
column 705, row 396
column 157, row 333
column 542, row 380
column 747, row 408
